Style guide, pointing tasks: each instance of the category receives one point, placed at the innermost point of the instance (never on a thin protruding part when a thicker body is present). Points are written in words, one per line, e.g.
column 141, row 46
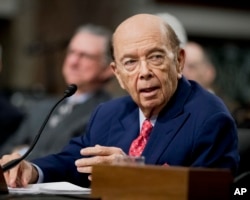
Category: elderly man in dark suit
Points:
column 186, row 125
column 86, row 65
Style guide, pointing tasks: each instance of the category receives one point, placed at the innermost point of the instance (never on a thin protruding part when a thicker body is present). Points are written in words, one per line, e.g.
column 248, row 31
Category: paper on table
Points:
column 50, row 188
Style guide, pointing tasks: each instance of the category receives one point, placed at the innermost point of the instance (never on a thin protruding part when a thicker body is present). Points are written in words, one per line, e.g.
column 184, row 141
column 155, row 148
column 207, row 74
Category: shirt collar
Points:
column 79, row 98
column 142, row 118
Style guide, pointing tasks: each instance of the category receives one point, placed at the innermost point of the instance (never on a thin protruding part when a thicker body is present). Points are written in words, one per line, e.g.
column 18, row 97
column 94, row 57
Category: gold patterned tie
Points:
column 140, row 142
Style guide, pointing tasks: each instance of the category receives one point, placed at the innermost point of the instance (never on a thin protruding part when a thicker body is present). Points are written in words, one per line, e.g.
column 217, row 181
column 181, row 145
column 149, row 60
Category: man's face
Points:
column 197, row 67
column 85, row 60
column 194, row 64
column 146, row 67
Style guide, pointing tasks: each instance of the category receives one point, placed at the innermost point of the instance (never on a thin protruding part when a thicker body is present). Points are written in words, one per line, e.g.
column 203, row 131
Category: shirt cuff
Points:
column 40, row 174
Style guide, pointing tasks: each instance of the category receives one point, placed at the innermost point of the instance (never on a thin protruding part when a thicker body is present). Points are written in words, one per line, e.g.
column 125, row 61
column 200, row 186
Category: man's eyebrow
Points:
column 156, row 49
column 128, row 55
column 131, row 55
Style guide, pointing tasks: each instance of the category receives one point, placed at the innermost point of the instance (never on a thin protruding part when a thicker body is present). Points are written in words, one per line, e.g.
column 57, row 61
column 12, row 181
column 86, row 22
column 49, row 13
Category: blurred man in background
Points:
column 198, row 66
column 86, row 65
column 10, row 116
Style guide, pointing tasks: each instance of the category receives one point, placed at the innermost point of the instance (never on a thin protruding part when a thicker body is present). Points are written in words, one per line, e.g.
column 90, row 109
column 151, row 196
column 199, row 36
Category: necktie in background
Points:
column 63, row 110
column 140, row 142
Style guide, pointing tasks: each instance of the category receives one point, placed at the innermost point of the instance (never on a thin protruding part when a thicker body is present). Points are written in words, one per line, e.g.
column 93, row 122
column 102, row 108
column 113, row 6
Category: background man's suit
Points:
column 10, row 119
column 194, row 129
column 53, row 139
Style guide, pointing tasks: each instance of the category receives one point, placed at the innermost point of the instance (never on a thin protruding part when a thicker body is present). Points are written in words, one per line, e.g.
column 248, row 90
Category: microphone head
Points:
column 71, row 89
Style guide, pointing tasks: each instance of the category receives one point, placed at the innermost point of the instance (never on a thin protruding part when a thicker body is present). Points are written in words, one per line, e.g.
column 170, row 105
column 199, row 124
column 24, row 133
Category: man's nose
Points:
column 145, row 71
column 74, row 58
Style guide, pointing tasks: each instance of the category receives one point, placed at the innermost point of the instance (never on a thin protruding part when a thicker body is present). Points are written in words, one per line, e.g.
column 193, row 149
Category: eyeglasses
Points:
column 154, row 60
column 86, row 55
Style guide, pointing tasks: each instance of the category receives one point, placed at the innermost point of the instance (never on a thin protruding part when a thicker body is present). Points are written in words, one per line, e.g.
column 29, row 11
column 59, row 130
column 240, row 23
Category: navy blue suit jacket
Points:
column 194, row 129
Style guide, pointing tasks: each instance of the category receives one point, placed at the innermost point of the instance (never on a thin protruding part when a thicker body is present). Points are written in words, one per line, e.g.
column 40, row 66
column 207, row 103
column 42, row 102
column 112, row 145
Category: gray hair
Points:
column 98, row 31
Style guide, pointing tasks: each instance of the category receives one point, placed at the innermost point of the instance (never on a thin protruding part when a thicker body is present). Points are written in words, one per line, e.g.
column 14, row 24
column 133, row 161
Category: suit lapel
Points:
column 125, row 130
column 161, row 137
column 168, row 123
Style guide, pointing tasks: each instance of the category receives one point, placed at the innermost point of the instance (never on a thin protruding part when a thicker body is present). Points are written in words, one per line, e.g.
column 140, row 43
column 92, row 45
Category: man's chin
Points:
column 149, row 105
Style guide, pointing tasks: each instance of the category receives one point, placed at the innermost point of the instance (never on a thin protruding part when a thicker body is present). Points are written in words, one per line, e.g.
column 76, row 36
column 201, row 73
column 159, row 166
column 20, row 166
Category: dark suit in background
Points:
column 10, row 119
column 55, row 137
column 194, row 129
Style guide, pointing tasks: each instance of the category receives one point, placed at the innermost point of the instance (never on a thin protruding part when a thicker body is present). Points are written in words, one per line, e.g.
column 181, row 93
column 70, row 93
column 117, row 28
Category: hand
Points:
column 20, row 175
column 98, row 155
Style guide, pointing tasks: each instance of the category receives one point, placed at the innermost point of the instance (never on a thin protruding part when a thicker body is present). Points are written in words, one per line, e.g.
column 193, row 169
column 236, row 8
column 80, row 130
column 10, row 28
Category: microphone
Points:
column 71, row 89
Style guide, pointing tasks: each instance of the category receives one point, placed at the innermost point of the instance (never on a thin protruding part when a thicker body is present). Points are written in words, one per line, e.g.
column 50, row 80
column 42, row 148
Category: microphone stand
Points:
column 68, row 92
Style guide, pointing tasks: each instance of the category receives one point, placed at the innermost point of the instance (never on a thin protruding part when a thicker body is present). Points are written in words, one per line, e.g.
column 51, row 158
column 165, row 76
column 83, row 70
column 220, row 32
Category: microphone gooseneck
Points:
column 71, row 89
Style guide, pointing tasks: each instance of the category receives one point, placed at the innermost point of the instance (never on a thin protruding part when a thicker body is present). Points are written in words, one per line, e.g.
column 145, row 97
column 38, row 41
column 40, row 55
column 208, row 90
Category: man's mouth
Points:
column 148, row 92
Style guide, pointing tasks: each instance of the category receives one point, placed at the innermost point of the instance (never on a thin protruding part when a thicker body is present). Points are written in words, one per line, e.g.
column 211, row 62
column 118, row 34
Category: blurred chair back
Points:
column 242, row 180
column 244, row 150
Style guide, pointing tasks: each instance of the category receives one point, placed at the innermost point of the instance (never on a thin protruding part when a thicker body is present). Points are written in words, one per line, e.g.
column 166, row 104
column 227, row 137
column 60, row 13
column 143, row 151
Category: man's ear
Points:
column 180, row 62
column 117, row 74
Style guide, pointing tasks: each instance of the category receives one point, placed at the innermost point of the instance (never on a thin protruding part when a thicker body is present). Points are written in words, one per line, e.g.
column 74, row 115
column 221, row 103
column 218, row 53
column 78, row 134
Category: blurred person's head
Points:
column 176, row 25
column 148, row 61
column 87, row 60
column 198, row 67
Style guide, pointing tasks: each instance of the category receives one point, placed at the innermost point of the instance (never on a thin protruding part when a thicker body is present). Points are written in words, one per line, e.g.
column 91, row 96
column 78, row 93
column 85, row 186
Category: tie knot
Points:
column 146, row 128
